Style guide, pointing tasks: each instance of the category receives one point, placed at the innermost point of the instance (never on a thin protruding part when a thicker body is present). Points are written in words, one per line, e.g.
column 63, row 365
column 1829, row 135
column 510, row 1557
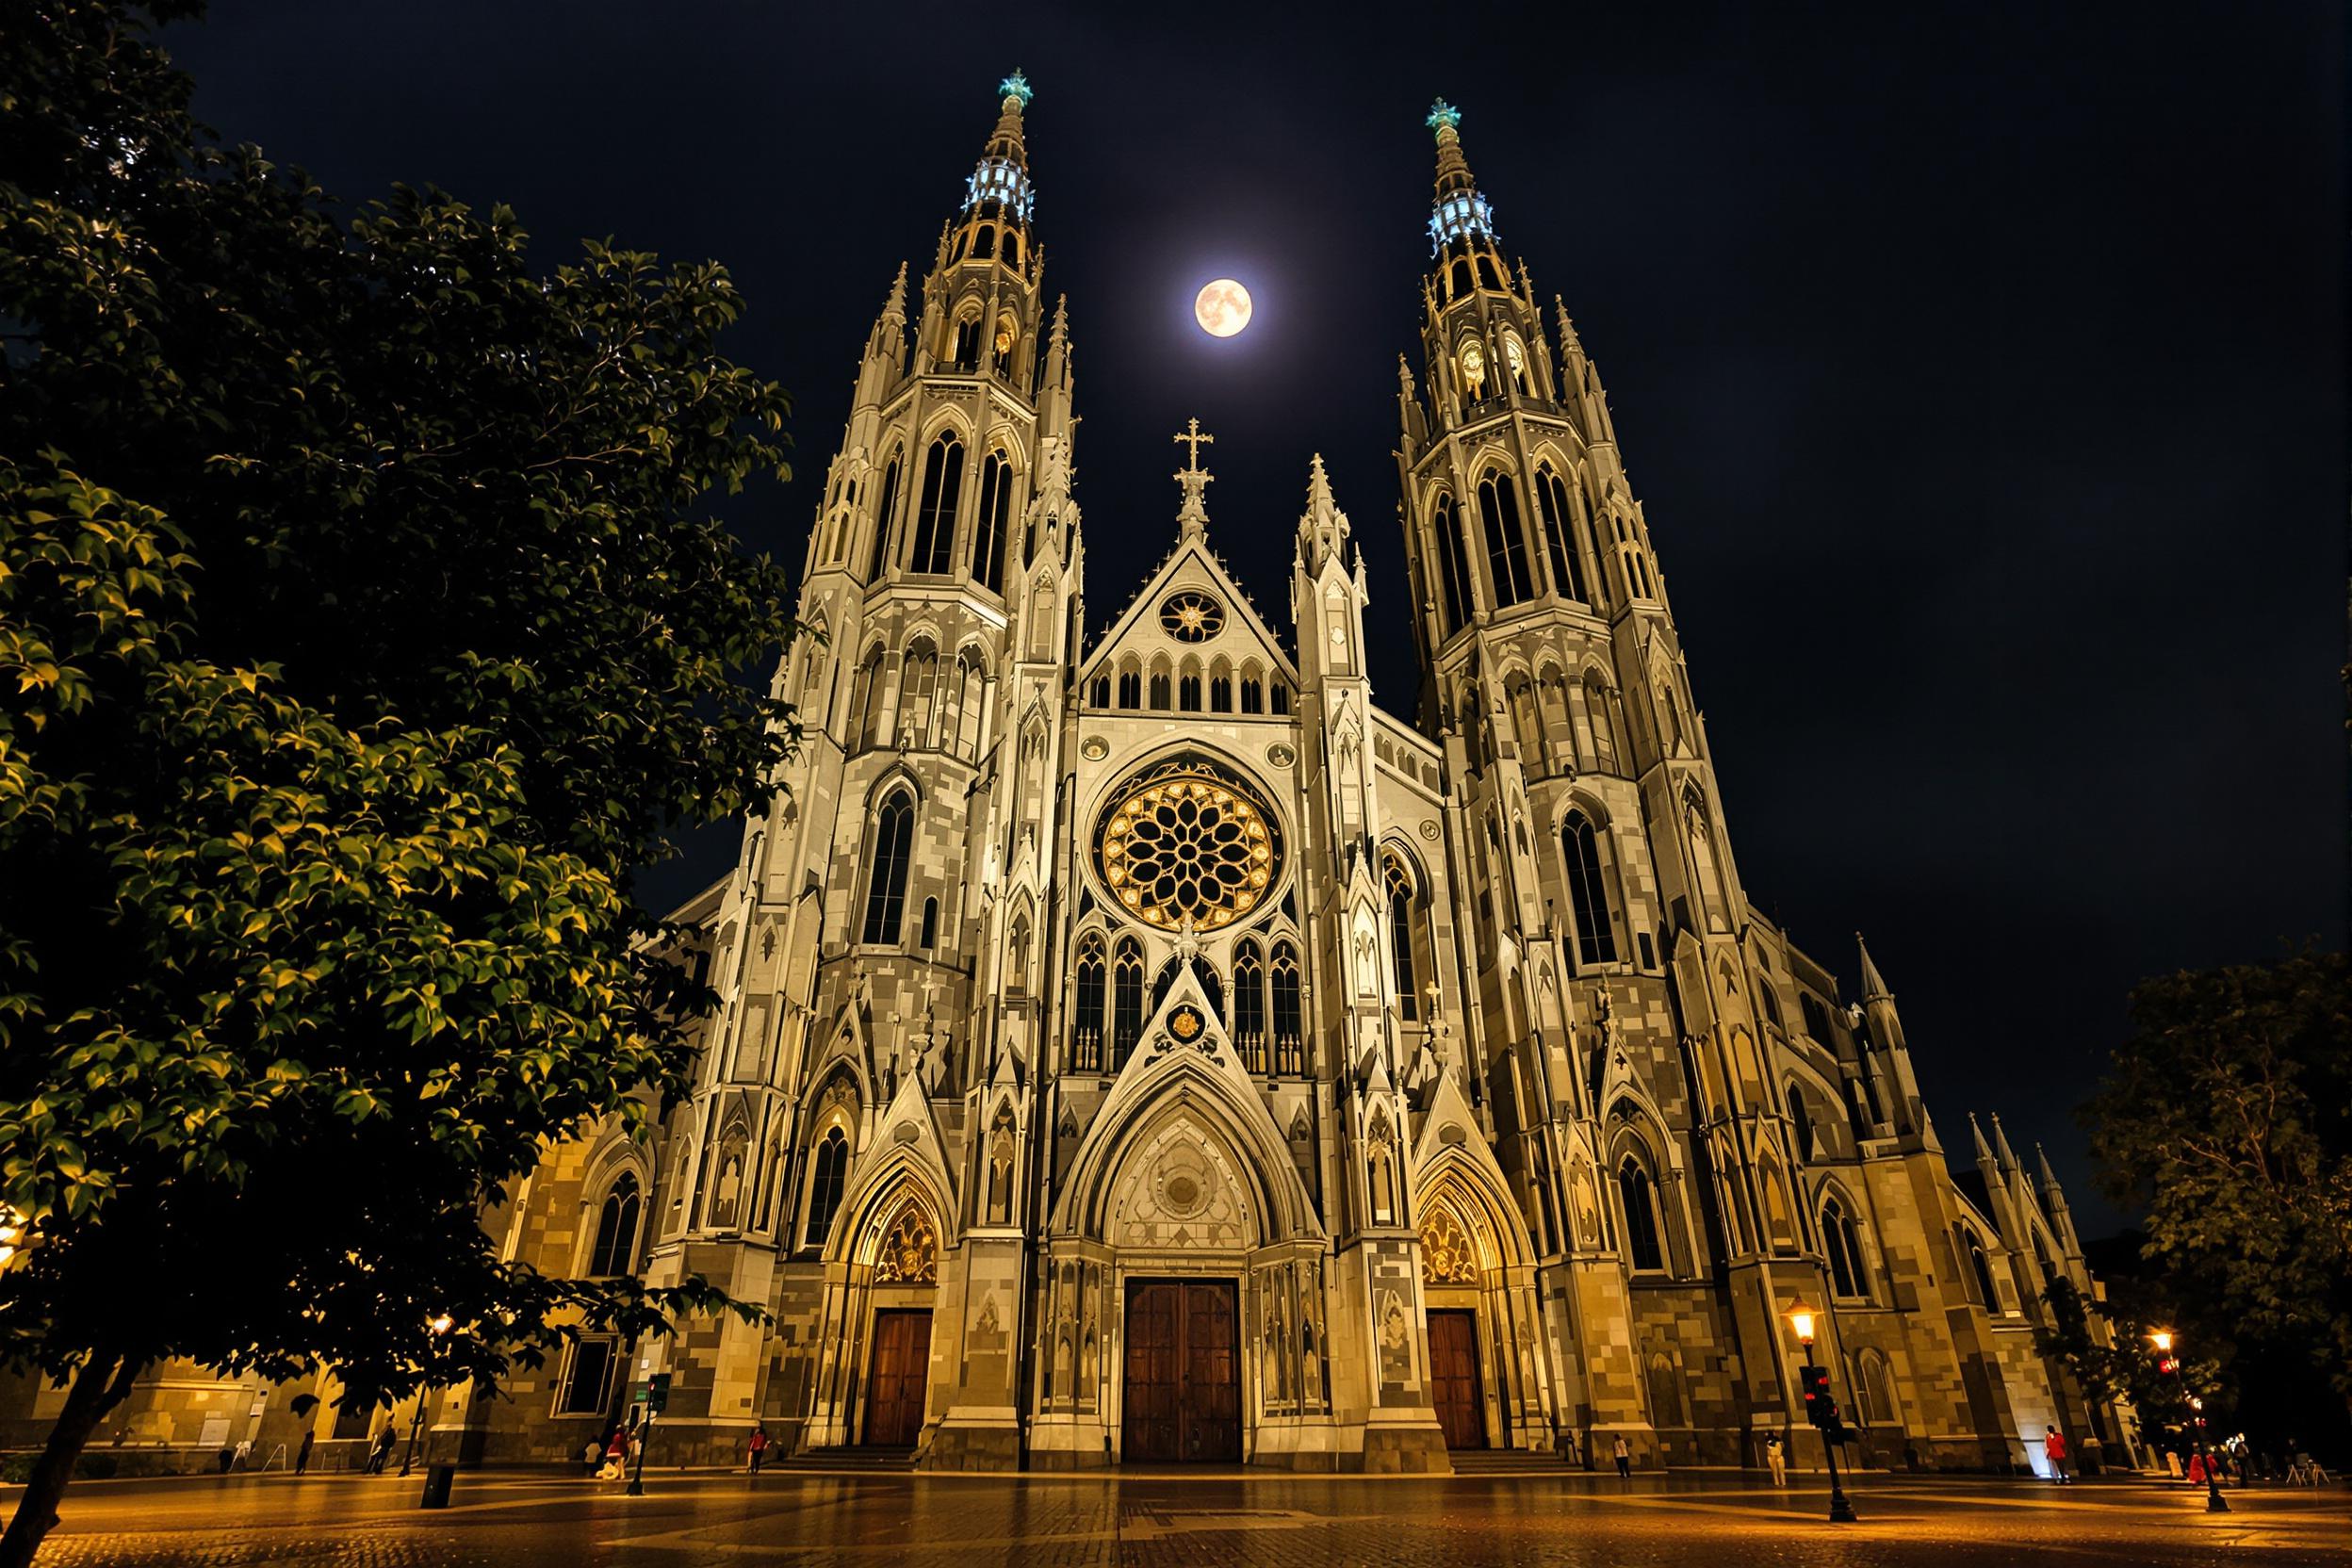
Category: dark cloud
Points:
column 1978, row 367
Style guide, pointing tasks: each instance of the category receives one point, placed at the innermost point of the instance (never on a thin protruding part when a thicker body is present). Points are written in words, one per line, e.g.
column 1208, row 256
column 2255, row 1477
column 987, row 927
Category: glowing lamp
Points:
column 1801, row 1320
column 442, row 1323
column 2162, row 1339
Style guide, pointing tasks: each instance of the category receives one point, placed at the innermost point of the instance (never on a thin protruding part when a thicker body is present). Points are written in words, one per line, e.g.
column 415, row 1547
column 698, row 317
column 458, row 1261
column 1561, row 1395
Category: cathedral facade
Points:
column 1146, row 1049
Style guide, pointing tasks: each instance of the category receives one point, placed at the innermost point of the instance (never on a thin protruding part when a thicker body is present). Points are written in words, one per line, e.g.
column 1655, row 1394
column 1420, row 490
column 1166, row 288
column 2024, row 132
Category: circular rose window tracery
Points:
column 1191, row 617
column 1188, row 840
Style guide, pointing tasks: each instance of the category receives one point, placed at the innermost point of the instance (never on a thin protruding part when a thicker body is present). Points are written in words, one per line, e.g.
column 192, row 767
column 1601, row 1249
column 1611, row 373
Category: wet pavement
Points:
column 1130, row 1521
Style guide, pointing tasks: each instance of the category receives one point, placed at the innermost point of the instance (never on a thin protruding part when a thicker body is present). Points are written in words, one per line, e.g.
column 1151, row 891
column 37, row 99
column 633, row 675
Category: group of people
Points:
column 2236, row 1461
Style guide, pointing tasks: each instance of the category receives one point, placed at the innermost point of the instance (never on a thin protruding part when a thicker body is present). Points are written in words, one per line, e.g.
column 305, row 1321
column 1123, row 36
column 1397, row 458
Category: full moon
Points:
column 1222, row 308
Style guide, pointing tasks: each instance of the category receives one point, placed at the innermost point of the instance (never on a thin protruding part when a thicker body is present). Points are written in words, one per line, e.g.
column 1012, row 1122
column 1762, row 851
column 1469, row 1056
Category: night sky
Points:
column 1979, row 369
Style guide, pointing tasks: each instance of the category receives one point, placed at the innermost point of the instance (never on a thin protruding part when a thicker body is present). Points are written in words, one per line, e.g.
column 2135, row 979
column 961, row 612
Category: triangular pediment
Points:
column 1191, row 568
column 1184, row 1058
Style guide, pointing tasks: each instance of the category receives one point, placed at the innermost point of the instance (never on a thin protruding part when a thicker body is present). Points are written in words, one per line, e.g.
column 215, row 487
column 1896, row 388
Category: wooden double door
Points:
column 894, row 1386
column 1454, row 1378
column 1183, row 1373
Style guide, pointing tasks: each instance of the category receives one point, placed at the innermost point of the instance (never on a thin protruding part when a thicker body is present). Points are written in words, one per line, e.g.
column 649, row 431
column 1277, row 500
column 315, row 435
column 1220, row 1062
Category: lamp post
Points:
column 1823, row 1411
column 2215, row 1501
column 440, row 1325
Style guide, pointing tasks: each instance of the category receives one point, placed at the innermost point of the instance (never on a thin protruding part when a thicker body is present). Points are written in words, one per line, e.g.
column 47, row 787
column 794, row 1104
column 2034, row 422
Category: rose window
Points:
column 1191, row 617
column 1189, row 843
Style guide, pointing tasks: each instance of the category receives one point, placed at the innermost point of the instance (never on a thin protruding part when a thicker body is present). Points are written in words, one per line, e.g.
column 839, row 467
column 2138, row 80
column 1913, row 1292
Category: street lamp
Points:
column 2215, row 1501
column 439, row 1323
column 1821, row 1410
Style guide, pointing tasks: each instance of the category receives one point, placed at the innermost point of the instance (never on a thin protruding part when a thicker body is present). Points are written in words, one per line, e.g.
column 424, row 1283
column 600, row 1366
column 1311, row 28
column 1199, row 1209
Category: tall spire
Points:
column 1002, row 176
column 1872, row 986
column 1459, row 211
column 2002, row 1150
column 1323, row 528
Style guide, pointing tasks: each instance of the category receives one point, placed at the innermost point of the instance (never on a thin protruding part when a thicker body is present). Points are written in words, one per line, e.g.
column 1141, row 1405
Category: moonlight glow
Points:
column 1222, row 308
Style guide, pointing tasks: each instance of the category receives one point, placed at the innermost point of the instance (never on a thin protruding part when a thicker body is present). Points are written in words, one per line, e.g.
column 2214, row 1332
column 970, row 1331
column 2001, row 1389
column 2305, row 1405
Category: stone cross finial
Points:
column 1194, row 514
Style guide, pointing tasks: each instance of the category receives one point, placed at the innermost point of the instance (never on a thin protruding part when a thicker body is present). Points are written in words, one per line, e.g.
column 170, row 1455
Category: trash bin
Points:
column 438, row 1479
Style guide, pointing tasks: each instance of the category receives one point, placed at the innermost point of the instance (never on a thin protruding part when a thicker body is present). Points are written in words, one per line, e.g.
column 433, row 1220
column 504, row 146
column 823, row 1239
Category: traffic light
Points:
column 658, row 1393
column 1819, row 1407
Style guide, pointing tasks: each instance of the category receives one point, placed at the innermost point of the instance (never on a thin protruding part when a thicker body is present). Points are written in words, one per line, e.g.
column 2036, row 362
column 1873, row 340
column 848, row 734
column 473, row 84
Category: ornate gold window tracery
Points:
column 1188, row 841
column 910, row 1253
column 1447, row 1255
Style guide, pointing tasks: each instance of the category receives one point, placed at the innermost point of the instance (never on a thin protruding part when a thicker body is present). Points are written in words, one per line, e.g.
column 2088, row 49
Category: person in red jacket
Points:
column 2054, row 1449
column 758, row 1448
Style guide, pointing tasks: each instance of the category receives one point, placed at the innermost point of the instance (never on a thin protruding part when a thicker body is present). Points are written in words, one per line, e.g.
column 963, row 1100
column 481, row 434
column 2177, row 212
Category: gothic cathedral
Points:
column 1147, row 1049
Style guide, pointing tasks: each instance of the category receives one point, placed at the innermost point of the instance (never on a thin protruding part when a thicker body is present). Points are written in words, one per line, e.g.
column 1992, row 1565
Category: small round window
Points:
column 1192, row 617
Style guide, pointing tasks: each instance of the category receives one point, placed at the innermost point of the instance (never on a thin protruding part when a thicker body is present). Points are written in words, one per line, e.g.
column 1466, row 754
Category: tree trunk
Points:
column 101, row 1384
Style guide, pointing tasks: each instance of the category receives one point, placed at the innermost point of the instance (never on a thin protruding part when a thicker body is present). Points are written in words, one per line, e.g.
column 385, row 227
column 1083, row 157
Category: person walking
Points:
column 381, row 1452
column 592, row 1457
column 759, row 1446
column 2054, row 1450
column 1776, row 1459
column 1624, row 1460
column 302, row 1455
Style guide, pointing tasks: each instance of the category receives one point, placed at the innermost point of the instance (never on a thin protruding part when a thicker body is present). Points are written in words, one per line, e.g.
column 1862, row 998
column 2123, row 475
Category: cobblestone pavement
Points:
column 792, row 1519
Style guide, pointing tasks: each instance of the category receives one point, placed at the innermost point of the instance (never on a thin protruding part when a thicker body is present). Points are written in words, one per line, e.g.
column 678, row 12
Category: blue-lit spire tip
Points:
column 1016, row 86
column 1443, row 117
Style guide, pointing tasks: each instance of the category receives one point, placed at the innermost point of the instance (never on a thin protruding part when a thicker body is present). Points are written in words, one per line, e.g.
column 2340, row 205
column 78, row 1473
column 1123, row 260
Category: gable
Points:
column 1240, row 636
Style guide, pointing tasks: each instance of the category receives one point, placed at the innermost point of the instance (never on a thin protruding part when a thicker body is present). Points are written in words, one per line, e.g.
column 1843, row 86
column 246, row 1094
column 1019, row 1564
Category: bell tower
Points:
column 1606, row 912
column 866, row 920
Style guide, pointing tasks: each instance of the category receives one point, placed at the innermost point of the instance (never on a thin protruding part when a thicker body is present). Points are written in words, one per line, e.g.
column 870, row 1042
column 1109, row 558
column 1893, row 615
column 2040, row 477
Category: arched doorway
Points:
column 898, row 1366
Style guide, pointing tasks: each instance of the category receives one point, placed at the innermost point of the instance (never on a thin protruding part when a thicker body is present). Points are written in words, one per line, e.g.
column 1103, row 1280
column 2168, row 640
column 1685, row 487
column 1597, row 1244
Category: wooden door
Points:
column 894, row 1387
column 1454, row 1378
column 1183, row 1373
column 1211, row 1375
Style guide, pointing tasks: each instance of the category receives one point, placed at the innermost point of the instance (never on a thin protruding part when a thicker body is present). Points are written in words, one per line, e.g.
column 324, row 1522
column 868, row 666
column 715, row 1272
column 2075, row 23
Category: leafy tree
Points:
column 363, row 627
column 2228, row 1119
column 2108, row 1345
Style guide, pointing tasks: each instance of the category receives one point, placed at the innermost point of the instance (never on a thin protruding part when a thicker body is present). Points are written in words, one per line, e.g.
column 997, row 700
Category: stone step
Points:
column 1505, row 1461
column 854, row 1459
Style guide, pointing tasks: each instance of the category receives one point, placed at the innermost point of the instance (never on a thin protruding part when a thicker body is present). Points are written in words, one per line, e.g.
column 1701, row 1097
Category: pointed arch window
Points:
column 996, row 519
column 1506, row 539
column 918, row 678
column 1130, row 687
column 1400, row 930
column 886, row 889
column 616, row 1229
column 1981, row 1266
column 1640, row 1195
column 934, row 514
column 883, row 514
column 1289, row 1011
column 866, row 701
column 826, row 1174
column 1801, row 1121
column 1126, row 998
column 1249, row 1036
column 967, row 354
column 1551, row 497
column 1086, row 1032
column 1453, row 574
column 1587, row 893
column 1843, row 1242
column 1159, row 689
